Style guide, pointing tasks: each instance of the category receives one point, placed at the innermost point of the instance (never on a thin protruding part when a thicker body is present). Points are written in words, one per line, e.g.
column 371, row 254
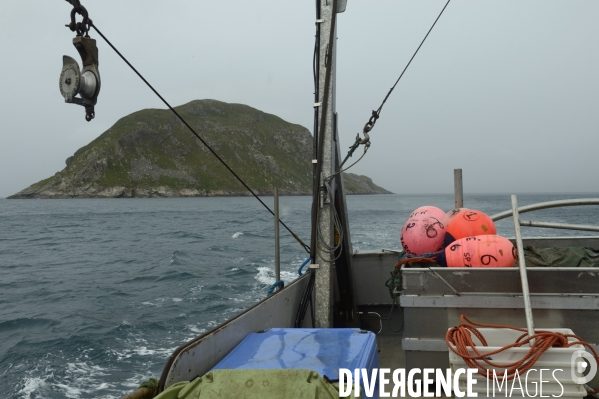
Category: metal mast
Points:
column 323, row 231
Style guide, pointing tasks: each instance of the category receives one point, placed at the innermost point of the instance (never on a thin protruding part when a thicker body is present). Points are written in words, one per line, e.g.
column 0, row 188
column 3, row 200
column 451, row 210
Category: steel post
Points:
column 277, row 246
column 522, row 264
column 458, row 189
column 324, row 281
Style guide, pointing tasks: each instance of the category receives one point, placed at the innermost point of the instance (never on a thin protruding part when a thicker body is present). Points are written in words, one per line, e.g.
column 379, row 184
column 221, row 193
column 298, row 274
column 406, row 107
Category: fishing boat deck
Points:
column 391, row 355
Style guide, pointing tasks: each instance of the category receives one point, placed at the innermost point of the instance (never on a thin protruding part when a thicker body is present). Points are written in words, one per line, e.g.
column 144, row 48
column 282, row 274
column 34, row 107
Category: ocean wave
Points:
column 84, row 378
column 266, row 275
column 179, row 258
column 219, row 248
column 139, row 279
column 26, row 323
column 32, row 385
column 238, row 274
column 176, row 276
column 191, row 237
column 195, row 329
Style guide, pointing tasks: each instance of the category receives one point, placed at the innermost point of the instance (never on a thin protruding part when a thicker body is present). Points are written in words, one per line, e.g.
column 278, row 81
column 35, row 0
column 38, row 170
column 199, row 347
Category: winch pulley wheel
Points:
column 84, row 82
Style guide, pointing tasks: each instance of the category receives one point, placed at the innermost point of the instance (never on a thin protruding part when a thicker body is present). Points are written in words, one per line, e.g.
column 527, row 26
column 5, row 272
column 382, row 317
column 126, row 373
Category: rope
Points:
column 405, row 258
column 404, row 261
column 147, row 390
column 459, row 340
column 306, row 247
column 152, row 383
column 299, row 271
column 394, row 284
column 278, row 283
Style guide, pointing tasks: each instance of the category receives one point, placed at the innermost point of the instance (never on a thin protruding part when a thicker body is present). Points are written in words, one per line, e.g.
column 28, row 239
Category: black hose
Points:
column 305, row 301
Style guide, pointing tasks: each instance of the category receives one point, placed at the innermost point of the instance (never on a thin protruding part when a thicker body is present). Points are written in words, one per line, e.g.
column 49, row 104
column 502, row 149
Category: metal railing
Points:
column 552, row 204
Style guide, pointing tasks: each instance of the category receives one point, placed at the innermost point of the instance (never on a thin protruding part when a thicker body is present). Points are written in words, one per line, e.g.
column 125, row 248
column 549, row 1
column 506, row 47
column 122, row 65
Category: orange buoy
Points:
column 424, row 231
column 480, row 251
column 451, row 214
column 468, row 223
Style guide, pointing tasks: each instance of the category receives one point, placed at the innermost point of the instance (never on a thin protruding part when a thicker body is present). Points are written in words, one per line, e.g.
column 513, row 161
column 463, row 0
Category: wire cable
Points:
column 375, row 114
column 306, row 247
column 344, row 170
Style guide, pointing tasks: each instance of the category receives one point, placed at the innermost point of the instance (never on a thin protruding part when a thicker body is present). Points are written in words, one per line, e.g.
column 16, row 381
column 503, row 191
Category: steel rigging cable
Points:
column 375, row 114
column 77, row 5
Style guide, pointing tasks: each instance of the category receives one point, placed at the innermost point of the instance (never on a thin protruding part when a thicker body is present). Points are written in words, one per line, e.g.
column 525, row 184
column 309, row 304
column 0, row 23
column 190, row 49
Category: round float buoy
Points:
column 480, row 251
column 424, row 231
column 428, row 211
column 468, row 223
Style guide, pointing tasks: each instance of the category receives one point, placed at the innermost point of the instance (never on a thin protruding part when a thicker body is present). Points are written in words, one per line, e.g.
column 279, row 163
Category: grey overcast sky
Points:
column 506, row 90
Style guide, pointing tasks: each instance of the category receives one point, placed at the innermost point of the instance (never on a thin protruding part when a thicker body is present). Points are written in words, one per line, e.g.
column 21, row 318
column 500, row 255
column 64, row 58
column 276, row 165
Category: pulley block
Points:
column 84, row 82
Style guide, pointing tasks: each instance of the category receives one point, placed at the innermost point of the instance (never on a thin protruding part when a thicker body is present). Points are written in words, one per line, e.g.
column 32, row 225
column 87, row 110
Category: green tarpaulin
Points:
column 254, row 384
column 561, row 257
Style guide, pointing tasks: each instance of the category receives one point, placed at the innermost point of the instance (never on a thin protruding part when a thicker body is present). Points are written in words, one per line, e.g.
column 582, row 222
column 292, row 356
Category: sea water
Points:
column 96, row 294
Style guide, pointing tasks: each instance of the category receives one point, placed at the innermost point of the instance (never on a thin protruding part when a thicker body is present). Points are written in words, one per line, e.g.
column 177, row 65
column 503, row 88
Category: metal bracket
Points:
column 317, row 104
column 445, row 281
column 319, row 21
column 322, row 193
column 314, row 266
column 395, row 251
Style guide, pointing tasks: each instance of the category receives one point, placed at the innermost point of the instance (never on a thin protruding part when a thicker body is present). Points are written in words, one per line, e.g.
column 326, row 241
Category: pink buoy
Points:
column 424, row 231
column 428, row 211
column 481, row 251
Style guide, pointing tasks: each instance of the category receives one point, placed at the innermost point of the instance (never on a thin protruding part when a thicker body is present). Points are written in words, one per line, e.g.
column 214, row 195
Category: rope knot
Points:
column 560, row 340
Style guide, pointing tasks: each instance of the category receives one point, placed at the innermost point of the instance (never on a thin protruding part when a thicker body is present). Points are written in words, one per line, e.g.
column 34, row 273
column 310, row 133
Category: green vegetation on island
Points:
column 150, row 153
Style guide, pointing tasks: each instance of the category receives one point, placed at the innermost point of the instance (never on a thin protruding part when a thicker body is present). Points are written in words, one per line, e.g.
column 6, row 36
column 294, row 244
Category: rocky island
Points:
column 150, row 153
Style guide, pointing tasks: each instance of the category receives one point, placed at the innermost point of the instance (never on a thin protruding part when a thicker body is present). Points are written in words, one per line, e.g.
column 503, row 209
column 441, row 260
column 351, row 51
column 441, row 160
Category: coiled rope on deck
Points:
column 459, row 341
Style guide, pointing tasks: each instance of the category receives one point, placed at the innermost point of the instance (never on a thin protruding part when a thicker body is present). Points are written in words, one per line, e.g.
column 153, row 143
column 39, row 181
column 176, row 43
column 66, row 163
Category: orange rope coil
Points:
column 459, row 340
